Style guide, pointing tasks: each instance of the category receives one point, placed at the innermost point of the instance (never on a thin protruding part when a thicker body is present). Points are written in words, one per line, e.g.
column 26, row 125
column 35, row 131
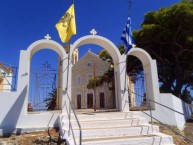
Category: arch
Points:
column 24, row 66
column 143, row 56
column 44, row 44
column 101, row 41
column 150, row 71
column 119, row 66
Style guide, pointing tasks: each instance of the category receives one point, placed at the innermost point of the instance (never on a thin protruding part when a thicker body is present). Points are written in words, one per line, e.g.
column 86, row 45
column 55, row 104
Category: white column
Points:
column 121, row 85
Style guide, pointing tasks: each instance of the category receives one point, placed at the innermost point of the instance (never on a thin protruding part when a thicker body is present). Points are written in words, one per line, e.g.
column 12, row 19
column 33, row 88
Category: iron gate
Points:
column 42, row 82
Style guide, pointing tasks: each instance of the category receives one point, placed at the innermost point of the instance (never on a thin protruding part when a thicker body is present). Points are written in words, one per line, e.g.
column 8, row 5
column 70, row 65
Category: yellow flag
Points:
column 67, row 25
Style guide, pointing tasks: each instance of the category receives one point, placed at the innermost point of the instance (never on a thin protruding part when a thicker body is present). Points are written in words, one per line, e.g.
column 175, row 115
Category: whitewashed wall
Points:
column 13, row 115
column 167, row 116
column 13, row 105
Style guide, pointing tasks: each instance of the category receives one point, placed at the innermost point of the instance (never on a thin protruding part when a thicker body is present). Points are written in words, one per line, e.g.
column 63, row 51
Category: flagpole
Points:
column 68, row 66
column 125, row 72
column 94, row 74
column 130, row 8
column 67, row 87
column 129, row 13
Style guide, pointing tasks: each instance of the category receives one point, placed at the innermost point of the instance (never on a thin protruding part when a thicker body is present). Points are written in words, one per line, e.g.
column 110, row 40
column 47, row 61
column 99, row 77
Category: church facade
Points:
column 82, row 71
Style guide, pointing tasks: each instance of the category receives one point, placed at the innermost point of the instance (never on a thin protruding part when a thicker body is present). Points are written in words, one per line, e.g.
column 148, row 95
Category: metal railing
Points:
column 148, row 103
column 70, row 124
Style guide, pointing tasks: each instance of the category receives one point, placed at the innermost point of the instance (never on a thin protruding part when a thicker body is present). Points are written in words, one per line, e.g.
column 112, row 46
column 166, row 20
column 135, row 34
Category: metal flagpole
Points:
column 125, row 72
column 129, row 10
column 68, row 66
column 94, row 73
column 67, row 88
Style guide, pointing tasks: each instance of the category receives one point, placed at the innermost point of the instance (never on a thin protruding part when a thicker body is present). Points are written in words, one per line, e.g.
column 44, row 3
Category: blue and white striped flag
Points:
column 127, row 37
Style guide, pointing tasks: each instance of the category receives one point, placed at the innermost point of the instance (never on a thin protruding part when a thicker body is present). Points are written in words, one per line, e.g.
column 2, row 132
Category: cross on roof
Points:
column 48, row 37
column 93, row 32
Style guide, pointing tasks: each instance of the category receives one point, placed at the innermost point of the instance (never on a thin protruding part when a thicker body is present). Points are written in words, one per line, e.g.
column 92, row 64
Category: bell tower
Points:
column 75, row 56
column 75, row 53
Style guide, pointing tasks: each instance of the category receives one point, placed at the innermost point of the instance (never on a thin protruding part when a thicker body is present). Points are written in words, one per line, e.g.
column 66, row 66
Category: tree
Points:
column 108, row 76
column 51, row 100
column 167, row 35
column 105, row 56
column 134, row 67
column 186, row 96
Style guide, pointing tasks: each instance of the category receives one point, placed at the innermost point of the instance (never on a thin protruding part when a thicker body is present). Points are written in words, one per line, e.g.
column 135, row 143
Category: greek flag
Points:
column 127, row 37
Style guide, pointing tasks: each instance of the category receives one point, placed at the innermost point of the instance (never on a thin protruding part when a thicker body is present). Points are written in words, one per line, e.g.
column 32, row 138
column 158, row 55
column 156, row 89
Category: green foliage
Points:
column 186, row 96
column 134, row 66
column 121, row 48
column 107, row 77
column 105, row 56
column 167, row 35
column 51, row 100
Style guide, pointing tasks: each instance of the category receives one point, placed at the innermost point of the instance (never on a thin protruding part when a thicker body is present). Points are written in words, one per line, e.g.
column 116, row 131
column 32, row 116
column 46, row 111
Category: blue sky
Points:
column 24, row 21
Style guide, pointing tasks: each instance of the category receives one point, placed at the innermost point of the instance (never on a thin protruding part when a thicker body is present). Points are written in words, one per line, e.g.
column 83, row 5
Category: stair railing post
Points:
column 149, row 104
column 69, row 118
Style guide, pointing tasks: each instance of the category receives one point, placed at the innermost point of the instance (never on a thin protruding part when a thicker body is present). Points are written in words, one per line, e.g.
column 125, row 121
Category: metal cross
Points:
column 93, row 32
column 46, row 64
column 48, row 37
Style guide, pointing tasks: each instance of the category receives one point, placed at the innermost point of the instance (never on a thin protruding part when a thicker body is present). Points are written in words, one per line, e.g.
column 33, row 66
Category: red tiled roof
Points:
column 6, row 69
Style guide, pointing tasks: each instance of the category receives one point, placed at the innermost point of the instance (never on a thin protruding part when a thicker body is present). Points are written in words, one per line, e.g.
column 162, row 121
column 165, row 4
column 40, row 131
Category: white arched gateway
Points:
column 52, row 45
column 14, row 116
column 14, row 113
column 150, row 71
column 119, row 67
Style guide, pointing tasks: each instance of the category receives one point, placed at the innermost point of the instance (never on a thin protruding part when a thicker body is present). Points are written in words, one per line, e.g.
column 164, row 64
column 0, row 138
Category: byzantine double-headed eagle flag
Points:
column 67, row 25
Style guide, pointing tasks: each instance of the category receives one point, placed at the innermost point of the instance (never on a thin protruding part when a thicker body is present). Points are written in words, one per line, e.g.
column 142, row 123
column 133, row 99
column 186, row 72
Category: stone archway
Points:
column 150, row 70
column 119, row 67
column 25, row 60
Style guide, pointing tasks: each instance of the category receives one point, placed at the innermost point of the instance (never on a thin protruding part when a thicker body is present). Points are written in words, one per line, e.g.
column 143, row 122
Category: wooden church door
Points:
column 89, row 100
column 78, row 101
column 102, row 100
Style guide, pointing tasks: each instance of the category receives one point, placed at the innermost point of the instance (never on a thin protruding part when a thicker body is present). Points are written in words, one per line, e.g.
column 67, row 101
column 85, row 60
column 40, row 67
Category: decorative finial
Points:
column 93, row 32
column 47, row 37
column 133, row 46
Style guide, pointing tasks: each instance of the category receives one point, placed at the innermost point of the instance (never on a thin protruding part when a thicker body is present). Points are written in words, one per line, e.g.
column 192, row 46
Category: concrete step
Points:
column 114, row 128
column 151, row 139
column 103, row 116
column 110, row 123
column 117, row 131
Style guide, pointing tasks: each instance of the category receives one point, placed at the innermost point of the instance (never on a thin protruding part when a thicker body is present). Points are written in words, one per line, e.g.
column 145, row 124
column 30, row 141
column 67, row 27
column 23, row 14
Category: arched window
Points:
column 89, row 76
column 79, row 79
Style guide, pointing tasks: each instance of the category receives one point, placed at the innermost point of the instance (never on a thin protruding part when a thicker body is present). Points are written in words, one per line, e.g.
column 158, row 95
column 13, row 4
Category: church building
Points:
column 82, row 71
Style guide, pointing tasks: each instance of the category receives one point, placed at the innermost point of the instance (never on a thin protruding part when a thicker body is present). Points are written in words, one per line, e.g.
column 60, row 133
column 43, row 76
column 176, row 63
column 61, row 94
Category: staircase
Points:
column 113, row 128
